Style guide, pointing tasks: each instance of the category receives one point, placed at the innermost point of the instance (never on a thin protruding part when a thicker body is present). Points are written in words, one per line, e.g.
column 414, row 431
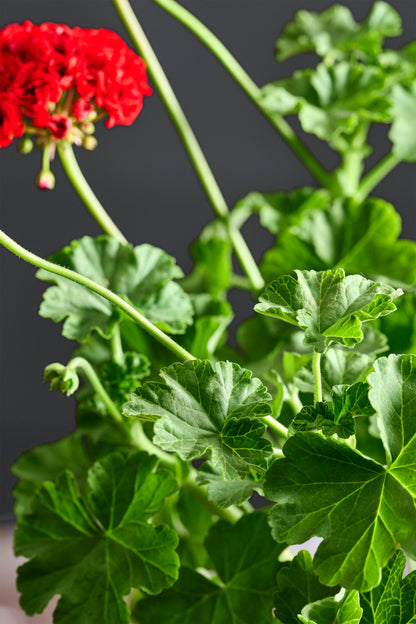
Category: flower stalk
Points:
column 189, row 141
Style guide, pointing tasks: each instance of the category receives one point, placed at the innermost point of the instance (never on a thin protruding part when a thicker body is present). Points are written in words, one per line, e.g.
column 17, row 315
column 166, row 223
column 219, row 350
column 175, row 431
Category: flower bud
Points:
column 89, row 143
column 88, row 127
column 25, row 145
column 45, row 181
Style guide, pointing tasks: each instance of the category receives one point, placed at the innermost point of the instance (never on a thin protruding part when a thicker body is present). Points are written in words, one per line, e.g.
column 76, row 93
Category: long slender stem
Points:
column 91, row 375
column 375, row 176
column 317, row 376
column 249, row 86
column 142, row 321
column 189, row 140
column 80, row 184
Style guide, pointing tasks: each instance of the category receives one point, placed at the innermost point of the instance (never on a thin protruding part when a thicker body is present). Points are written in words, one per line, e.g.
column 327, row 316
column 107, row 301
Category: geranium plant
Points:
column 144, row 511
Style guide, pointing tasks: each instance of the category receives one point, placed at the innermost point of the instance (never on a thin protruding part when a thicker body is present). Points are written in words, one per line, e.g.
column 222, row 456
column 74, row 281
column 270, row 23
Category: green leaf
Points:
column 360, row 239
column 402, row 133
column 203, row 407
column 297, row 585
column 336, row 35
column 341, row 366
column 361, row 509
column 46, row 463
column 336, row 416
column 245, row 560
column 332, row 102
column 279, row 210
column 92, row 552
column 328, row 306
column 401, row 328
column 207, row 334
column 394, row 599
column 212, row 253
column 344, row 610
column 121, row 378
column 393, row 396
column 226, row 493
column 142, row 275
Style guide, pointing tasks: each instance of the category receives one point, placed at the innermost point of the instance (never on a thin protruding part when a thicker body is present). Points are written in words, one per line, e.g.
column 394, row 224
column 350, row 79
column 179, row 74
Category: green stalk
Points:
column 376, row 175
column 80, row 184
column 189, row 140
column 116, row 345
column 83, row 364
column 142, row 321
column 317, row 377
column 276, row 426
column 249, row 86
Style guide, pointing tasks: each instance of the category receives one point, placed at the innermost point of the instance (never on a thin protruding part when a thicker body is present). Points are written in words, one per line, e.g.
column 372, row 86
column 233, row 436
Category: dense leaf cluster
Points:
column 143, row 511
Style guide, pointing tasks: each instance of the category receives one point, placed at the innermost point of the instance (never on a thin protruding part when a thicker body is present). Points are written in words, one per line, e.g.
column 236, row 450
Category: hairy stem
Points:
column 189, row 140
column 80, row 184
column 141, row 320
column 375, row 176
column 81, row 363
column 249, row 86
column 317, row 377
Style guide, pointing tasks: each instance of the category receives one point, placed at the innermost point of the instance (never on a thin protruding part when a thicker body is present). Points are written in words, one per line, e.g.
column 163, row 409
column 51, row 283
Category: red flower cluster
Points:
column 53, row 76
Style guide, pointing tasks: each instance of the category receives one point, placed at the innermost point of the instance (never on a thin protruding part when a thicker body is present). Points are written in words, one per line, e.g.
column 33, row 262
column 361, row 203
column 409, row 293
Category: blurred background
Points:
column 142, row 176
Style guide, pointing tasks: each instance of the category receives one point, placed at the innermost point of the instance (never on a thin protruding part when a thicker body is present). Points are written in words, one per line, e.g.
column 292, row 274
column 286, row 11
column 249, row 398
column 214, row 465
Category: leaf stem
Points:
column 317, row 377
column 80, row 184
column 276, row 426
column 134, row 314
column 249, row 87
column 116, row 345
column 83, row 364
column 375, row 176
column 189, row 140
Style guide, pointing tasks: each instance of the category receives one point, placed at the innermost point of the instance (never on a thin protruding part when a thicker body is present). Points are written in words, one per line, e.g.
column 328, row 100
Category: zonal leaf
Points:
column 212, row 253
column 297, row 585
column 336, row 416
column 245, row 560
column 204, row 407
column 334, row 610
column 332, row 102
column 279, row 210
column 361, row 239
column 393, row 396
column 402, row 133
column 361, row 509
column 336, row 35
column 46, row 463
column 225, row 493
column 328, row 306
column 341, row 366
column 142, row 275
column 394, row 600
column 92, row 552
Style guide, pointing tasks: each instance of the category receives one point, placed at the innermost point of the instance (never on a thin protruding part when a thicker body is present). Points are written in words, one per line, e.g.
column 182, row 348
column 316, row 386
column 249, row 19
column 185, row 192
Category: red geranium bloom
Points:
column 54, row 77
column 11, row 124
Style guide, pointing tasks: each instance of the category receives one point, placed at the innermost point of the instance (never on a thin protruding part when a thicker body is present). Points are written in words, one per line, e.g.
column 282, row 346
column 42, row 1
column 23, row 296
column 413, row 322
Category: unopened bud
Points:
column 87, row 127
column 45, row 181
column 25, row 145
column 89, row 143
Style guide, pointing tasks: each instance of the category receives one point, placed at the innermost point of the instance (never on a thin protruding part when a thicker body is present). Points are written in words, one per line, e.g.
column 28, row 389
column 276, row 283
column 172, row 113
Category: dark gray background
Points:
column 143, row 178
